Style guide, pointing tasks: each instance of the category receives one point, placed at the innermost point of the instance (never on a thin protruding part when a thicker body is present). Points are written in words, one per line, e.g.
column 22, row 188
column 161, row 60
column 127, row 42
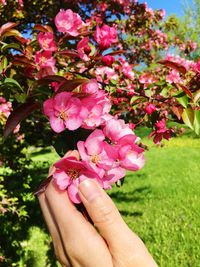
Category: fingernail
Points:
column 89, row 189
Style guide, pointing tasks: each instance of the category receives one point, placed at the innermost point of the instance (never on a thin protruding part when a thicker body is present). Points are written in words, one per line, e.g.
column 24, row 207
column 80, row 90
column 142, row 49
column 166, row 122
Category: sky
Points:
column 171, row 6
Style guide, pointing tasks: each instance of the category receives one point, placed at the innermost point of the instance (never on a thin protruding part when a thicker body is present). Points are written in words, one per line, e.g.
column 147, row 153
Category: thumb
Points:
column 103, row 213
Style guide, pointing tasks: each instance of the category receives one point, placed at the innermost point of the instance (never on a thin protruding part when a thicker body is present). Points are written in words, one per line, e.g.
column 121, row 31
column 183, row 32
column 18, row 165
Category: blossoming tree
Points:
column 88, row 76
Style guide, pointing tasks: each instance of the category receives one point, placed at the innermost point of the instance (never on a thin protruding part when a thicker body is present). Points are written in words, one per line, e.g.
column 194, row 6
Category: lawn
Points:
column 161, row 202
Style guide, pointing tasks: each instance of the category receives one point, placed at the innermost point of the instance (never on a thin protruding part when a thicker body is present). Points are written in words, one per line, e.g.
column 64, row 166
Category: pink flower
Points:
column 147, row 79
column 105, row 36
column 5, row 108
column 84, row 49
column 130, row 155
column 45, row 59
column 173, row 77
column 150, row 108
column 90, row 87
column 46, row 41
column 127, row 71
column 161, row 131
column 116, row 129
column 108, row 60
column 105, row 74
column 96, row 154
column 68, row 22
column 45, row 63
column 64, row 111
column 69, row 173
column 98, row 106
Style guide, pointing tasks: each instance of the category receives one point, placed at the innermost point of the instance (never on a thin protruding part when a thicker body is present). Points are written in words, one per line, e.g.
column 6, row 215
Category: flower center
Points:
column 73, row 173
column 63, row 115
column 95, row 158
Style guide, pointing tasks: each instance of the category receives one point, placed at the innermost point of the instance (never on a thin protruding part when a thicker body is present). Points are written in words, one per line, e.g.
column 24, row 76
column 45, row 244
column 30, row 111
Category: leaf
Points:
column 18, row 115
column 51, row 78
column 197, row 96
column 12, row 82
column 6, row 27
column 185, row 89
column 173, row 65
column 188, row 117
column 70, row 85
column 177, row 111
column 3, row 64
column 12, row 32
column 197, row 122
column 42, row 28
column 118, row 52
column 11, row 46
column 183, row 100
column 68, row 53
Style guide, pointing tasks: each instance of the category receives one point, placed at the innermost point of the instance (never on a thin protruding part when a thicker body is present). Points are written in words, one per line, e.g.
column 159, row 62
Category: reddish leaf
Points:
column 21, row 60
column 18, row 115
column 173, row 65
column 178, row 111
column 42, row 28
column 70, row 85
column 185, row 89
column 52, row 78
column 116, row 53
column 22, row 40
column 6, row 27
column 68, row 53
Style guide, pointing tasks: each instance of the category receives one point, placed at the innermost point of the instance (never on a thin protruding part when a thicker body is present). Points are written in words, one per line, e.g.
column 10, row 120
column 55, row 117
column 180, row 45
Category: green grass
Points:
column 161, row 202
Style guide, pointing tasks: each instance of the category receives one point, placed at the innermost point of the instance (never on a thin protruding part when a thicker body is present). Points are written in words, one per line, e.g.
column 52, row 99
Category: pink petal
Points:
column 57, row 124
column 61, row 100
column 48, row 107
column 73, row 194
column 94, row 142
column 73, row 123
column 61, row 179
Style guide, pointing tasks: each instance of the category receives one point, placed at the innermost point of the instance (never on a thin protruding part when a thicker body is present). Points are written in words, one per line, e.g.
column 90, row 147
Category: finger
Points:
column 79, row 237
column 106, row 216
column 57, row 243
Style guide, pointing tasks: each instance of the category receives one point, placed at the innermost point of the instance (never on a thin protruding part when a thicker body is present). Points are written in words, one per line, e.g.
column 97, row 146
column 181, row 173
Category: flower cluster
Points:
column 104, row 156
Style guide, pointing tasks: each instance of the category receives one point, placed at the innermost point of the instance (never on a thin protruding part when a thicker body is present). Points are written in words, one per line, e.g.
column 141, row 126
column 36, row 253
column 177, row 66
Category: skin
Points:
column 77, row 243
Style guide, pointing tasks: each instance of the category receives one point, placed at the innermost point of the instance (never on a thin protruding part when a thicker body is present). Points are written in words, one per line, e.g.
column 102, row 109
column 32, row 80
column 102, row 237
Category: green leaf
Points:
column 183, row 100
column 12, row 82
column 188, row 117
column 3, row 64
column 197, row 122
column 11, row 46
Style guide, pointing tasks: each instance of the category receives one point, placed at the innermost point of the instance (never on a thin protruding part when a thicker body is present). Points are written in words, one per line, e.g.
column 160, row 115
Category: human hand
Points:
column 77, row 243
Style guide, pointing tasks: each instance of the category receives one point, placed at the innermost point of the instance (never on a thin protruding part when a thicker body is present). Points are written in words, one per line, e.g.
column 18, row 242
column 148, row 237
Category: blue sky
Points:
column 171, row 6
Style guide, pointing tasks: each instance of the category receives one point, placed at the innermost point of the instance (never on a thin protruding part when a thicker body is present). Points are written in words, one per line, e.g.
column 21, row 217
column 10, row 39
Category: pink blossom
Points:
column 116, row 129
column 98, row 106
column 46, row 41
column 147, row 79
column 45, row 59
column 3, row 2
column 64, row 111
column 69, row 173
column 130, row 155
column 108, row 60
column 90, row 87
column 127, row 71
column 5, row 108
column 161, row 131
column 68, row 22
column 96, row 154
column 173, row 77
column 105, row 36
column 84, row 49
column 106, row 74
column 150, row 108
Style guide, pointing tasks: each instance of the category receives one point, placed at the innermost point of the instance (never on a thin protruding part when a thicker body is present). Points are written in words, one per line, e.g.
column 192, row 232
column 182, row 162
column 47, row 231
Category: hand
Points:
column 78, row 243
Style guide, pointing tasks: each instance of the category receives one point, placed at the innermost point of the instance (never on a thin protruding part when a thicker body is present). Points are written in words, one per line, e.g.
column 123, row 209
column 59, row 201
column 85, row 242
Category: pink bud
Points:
column 108, row 60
